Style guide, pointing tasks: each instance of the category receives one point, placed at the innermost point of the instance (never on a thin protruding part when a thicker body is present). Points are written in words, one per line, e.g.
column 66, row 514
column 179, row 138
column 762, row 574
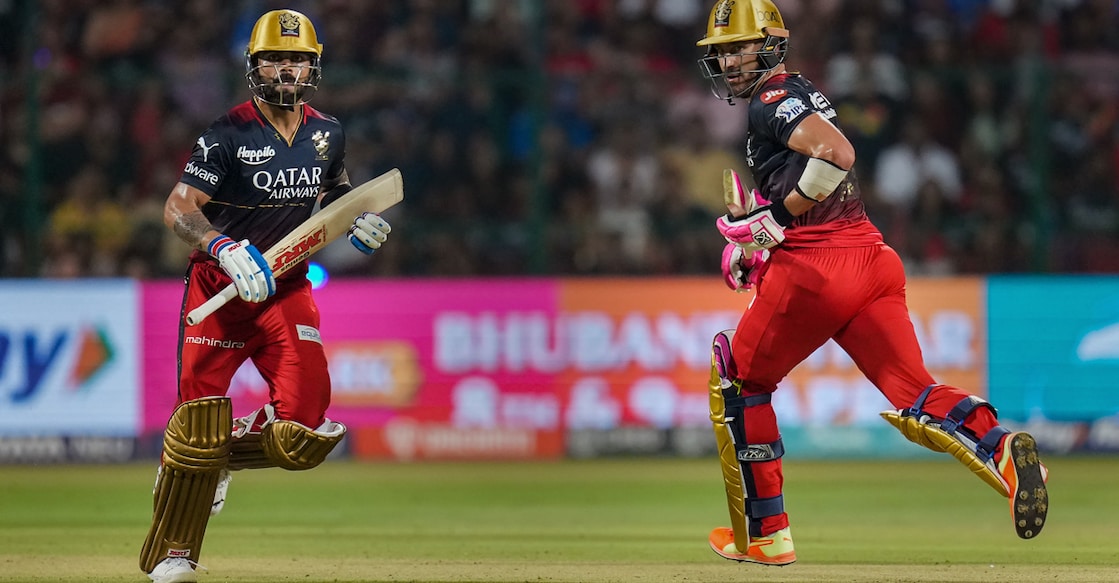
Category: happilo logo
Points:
column 255, row 157
column 299, row 250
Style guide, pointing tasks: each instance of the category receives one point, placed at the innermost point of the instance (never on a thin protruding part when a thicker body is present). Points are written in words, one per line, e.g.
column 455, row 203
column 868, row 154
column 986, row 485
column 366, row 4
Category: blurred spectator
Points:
column 864, row 61
column 623, row 173
column 698, row 164
column 905, row 166
column 556, row 136
column 88, row 230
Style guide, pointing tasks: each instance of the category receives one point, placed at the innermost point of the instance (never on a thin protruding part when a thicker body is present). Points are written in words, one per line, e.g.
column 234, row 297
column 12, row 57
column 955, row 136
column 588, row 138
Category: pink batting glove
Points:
column 742, row 269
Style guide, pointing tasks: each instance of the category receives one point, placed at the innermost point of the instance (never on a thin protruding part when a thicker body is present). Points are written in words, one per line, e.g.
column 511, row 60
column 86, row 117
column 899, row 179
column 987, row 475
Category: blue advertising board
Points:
column 1054, row 347
column 69, row 358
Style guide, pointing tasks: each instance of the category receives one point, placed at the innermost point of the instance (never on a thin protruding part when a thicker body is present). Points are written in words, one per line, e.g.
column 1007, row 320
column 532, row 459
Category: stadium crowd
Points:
column 571, row 137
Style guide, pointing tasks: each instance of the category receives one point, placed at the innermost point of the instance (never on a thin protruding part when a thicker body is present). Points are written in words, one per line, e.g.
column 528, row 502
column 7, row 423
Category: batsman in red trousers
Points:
column 254, row 175
column 821, row 271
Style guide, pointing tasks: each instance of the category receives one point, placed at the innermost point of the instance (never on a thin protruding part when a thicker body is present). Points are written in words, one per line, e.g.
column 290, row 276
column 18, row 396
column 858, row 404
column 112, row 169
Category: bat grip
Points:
column 211, row 305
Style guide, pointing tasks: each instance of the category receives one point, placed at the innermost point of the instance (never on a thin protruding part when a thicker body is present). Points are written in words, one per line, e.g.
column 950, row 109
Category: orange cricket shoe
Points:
column 775, row 549
column 1025, row 480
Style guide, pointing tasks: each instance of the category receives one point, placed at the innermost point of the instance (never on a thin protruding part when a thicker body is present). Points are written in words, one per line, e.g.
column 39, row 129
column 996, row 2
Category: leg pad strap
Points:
column 943, row 436
column 727, row 404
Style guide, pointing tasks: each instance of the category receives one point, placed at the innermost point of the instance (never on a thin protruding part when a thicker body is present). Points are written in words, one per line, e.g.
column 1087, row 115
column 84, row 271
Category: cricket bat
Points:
column 316, row 232
column 739, row 200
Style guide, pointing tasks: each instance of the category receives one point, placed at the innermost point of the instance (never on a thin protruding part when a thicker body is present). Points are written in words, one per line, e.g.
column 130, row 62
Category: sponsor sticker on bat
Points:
column 299, row 250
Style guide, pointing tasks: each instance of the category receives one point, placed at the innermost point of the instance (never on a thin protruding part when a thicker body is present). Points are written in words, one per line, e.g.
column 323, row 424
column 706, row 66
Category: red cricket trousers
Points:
column 855, row 295
column 280, row 335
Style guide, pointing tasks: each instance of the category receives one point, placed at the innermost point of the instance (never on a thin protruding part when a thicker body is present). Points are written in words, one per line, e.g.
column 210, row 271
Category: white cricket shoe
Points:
column 219, row 494
column 173, row 570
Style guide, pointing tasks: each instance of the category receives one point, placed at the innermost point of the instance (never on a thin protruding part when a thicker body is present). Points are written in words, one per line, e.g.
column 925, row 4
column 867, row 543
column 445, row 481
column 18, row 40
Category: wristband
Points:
column 219, row 244
column 781, row 213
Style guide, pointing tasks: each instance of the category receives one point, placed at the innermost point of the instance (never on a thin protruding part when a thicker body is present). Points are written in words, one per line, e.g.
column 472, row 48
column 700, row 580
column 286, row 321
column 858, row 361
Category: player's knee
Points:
column 198, row 434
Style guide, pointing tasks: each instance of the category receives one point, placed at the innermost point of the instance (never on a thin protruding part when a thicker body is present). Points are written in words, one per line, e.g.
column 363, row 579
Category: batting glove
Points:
column 742, row 269
column 368, row 232
column 245, row 266
column 762, row 228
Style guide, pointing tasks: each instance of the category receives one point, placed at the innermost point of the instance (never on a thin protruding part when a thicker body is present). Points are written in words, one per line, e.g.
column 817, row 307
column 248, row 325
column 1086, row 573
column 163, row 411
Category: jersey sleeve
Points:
column 338, row 157
column 778, row 111
column 336, row 171
column 209, row 160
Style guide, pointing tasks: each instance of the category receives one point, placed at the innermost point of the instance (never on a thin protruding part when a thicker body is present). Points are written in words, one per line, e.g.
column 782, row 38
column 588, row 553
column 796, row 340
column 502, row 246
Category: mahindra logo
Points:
column 299, row 250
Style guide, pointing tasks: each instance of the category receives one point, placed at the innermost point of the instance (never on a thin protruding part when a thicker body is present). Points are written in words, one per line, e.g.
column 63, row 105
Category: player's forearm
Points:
column 193, row 228
column 182, row 213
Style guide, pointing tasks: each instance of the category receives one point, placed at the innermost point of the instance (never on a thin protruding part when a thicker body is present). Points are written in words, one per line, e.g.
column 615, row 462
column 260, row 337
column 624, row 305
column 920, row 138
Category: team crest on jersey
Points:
column 790, row 109
column 773, row 95
column 289, row 24
column 321, row 140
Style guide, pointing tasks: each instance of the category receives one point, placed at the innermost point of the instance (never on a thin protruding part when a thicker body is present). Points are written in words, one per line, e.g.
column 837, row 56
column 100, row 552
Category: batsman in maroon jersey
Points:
column 821, row 271
column 254, row 175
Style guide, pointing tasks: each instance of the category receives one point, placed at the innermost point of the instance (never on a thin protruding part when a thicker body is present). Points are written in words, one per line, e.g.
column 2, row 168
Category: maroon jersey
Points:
column 773, row 113
column 260, row 186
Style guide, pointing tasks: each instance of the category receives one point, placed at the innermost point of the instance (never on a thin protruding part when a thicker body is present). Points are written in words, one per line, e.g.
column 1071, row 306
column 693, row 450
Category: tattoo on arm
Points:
column 192, row 227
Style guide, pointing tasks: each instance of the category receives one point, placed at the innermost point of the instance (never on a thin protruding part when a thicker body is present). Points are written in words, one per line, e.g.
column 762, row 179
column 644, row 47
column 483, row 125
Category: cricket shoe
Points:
column 1025, row 478
column 220, row 493
column 173, row 570
column 775, row 549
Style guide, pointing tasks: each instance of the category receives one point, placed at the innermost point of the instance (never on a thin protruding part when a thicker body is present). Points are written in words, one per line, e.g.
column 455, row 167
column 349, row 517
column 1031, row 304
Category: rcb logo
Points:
column 722, row 13
column 289, row 24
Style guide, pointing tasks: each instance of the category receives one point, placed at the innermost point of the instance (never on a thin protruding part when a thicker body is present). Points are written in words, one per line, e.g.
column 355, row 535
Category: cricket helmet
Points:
column 743, row 21
column 283, row 31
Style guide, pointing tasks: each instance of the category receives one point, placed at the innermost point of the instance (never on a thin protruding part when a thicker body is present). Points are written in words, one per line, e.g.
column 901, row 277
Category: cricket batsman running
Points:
column 253, row 176
column 822, row 271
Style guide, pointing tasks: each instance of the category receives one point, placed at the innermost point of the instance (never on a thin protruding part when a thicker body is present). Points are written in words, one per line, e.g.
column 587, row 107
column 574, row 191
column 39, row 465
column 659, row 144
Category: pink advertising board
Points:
column 382, row 341
column 505, row 368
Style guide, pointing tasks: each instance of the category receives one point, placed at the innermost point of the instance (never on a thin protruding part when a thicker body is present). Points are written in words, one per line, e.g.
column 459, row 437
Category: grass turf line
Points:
column 600, row 520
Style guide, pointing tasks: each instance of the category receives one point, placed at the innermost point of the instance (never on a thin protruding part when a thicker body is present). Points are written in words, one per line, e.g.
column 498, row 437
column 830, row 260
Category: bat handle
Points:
column 211, row 305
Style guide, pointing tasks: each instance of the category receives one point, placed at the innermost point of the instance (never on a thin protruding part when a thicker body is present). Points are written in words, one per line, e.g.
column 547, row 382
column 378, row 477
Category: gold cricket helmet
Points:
column 734, row 21
column 742, row 21
column 285, row 31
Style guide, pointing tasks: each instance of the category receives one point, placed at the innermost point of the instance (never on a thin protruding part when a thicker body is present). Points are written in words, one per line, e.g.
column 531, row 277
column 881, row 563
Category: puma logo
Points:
column 205, row 149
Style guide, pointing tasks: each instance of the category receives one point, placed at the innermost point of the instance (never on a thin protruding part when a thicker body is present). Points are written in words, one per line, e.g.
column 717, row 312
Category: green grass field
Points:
column 640, row 520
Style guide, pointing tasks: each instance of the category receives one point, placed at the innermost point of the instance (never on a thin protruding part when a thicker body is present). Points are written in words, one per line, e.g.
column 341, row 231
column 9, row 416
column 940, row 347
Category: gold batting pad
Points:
column 294, row 446
column 247, row 453
column 195, row 449
column 284, row 444
column 728, row 460
column 939, row 441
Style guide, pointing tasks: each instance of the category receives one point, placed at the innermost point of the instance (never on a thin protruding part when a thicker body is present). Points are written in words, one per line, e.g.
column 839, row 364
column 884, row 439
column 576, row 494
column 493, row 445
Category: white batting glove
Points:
column 245, row 266
column 369, row 232
column 742, row 268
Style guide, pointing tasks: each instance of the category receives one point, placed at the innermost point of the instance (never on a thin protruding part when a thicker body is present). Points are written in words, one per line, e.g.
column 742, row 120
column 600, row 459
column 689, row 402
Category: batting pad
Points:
column 728, row 458
column 195, row 449
column 939, row 440
column 286, row 444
